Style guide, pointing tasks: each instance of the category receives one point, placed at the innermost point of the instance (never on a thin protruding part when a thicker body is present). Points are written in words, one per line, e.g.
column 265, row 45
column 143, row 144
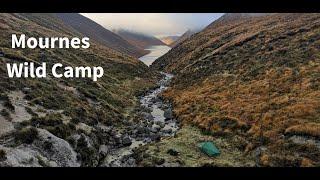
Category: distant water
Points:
column 155, row 53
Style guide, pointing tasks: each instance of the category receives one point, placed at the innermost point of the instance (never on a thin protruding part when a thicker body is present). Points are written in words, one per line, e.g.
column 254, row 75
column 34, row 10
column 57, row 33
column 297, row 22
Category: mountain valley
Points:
column 248, row 82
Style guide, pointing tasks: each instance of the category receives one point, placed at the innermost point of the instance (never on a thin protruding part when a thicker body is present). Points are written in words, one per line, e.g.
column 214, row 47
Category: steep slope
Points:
column 237, row 16
column 183, row 37
column 63, row 121
column 255, row 79
column 168, row 40
column 100, row 34
column 138, row 39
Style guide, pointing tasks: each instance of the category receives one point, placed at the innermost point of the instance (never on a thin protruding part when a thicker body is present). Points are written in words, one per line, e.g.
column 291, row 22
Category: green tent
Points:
column 209, row 148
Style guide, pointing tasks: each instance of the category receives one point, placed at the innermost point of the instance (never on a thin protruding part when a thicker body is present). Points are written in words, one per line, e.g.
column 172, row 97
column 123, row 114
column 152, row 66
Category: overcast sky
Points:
column 157, row 24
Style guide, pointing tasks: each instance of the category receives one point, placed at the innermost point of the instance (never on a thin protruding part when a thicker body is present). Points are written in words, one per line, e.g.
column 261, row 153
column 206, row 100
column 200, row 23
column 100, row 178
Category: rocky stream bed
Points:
column 157, row 122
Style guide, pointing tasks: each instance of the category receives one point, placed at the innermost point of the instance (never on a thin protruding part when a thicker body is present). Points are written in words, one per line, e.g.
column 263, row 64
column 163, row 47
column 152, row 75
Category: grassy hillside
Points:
column 183, row 37
column 65, row 107
column 255, row 78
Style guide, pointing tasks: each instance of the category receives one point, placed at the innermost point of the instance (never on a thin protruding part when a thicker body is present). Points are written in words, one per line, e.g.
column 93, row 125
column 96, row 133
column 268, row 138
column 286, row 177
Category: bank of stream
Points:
column 156, row 121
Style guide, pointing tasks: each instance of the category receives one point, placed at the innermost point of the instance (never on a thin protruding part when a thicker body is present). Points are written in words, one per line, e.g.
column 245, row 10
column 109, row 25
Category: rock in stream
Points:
column 157, row 121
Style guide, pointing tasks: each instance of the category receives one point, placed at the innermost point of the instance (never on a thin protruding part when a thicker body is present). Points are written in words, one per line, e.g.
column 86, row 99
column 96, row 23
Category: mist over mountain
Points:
column 183, row 37
column 140, row 40
column 154, row 24
column 100, row 34
column 168, row 40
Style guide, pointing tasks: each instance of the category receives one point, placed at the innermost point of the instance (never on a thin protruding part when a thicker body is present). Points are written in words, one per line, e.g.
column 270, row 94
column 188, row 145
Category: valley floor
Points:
column 182, row 150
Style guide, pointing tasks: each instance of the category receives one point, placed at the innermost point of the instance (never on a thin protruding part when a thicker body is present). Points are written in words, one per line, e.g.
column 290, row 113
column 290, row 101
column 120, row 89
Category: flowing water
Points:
column 157, row 122
column 155, row 53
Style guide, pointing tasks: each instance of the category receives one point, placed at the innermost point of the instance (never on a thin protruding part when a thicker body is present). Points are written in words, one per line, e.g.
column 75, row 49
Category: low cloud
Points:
column 157, row 24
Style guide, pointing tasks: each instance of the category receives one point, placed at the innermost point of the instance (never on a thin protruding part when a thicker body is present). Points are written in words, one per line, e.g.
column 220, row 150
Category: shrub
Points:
column 49, row 120
column 26, row 135
column 5, row 114
column 42, row 162
column 88, row 153
column 3, row 155
column 29, row 110
column 307, row 129
column 6, row 102
column 62, row 130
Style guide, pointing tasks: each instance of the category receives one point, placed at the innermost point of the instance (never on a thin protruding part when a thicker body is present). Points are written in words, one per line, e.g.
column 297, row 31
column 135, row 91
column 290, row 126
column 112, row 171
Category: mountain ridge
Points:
column 168, row 40
column 140, row 40
column 100, row 34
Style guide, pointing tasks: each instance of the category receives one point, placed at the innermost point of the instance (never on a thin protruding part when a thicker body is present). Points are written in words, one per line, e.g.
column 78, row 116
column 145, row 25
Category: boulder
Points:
column 173, row 152
column 24, row 156
column 168, row 114
column 26, row 90
column 56, row 149
column 166, row 131
column 160, row 123
column 104, row 150
column 155, row 128
column 141, row 130
column 126, row 141
column 117, row 139
column 147, row 116
column 46, row 150
column 155, row 137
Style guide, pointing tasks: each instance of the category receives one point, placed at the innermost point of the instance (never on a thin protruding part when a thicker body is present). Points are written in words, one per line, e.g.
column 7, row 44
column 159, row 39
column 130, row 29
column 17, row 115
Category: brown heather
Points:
column 257, row 77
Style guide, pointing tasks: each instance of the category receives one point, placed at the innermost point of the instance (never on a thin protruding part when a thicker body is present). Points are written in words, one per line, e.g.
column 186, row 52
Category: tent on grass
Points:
column 209, row 149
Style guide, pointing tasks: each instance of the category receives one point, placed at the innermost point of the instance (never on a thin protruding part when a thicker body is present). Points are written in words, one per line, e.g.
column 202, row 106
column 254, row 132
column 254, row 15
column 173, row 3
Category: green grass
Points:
column 185, row 143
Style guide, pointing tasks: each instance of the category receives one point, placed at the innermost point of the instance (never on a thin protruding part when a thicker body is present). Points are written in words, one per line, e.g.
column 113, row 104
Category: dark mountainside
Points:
column 98, row 33
column 238, row 16
column 138, row 39
column 60, row 121
column 252, row 82
column 183, row 37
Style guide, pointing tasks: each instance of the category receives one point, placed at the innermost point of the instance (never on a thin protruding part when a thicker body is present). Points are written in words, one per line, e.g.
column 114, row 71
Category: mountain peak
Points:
column 139, row 39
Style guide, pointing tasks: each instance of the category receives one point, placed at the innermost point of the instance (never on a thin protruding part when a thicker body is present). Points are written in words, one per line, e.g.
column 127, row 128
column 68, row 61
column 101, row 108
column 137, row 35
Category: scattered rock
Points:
column 25, row 156
column 84, row 127
column 168, row 114
column 160, row 123
column 166, row 131
column 148, row 140
column 26, row 90
column 305, row 140
column 104, row 150
column 156, row 127
column 173, row 152
column 259, row 151
column 147, row 116
column 126, row 141
column 159, row 161
column 117, row 139
column 155, row 137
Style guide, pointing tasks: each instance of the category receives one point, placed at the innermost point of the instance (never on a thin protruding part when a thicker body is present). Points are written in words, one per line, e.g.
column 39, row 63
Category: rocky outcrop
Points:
column 46, row 150
column 24, row 156
column 56, row 149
